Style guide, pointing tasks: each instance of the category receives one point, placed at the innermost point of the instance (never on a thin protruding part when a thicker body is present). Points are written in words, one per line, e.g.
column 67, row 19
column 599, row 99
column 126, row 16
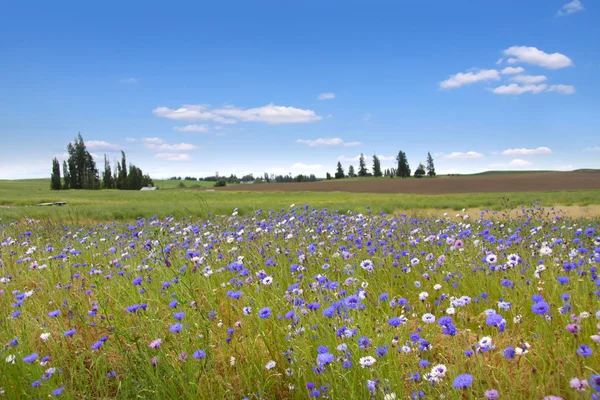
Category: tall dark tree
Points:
column 122, row 172
column 339, row 173
column 420, row 171
column 362, row 167
column 82, row 167
column 328, row 176
column 430, row 166
column 403, row 169
column 351, row 172
column 55, row 183
column 107, row 177
column 66, row 176
column 376, row 166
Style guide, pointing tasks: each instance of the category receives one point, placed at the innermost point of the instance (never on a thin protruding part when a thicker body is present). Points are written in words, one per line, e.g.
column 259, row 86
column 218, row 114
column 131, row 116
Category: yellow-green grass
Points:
column 18, row 200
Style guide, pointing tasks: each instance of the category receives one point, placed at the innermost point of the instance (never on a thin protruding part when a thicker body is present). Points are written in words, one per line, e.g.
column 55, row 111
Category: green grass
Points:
column 88, row 272
column 103, row 205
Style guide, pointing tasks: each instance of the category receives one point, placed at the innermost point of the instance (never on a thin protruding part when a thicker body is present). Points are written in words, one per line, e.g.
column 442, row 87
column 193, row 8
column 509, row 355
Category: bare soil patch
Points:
column 502, row 183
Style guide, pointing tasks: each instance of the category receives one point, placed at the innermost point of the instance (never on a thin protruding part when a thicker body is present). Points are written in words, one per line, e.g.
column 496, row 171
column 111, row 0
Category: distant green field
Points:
column 106, row 205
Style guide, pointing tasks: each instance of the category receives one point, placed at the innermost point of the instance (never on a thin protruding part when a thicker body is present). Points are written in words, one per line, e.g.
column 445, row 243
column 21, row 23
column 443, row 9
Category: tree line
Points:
column 402, row 169
column 79, row 171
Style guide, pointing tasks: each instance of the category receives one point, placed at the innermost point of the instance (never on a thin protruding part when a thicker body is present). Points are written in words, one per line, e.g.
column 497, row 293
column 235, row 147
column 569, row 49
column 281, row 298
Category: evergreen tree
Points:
column 362, row 167
column 122, row 177
column 420, row 171
column 339, row 174
column 107, row 177
column 403, row 169
column 376, row 166
column 351, row 172
column 66, row 176
column 328, row 176
column 82, row 167
column 55, row 183
column 430, row 166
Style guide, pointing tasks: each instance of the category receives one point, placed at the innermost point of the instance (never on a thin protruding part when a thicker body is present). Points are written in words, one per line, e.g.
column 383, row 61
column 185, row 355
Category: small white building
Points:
column 149, row 188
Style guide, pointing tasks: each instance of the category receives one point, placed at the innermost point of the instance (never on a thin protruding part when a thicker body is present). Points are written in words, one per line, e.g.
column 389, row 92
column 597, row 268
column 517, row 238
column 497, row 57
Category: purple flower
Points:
column 395, row 321
column 30, row 358
column 325, row 358
column 97, row 345
column 509, row 353
column 70, row 332
column 584, row 350
column 155, row 344
column 57, row 392
column 179, row 315
column 462, row 381
column 540, row 307
column 491, row 394
column 265, row 313
column 54, row 313
column 136, row 281
column 199, row 354
column 176, row 327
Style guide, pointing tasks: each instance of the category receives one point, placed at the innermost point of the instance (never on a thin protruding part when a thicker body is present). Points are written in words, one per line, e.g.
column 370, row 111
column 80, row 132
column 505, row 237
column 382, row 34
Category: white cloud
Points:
column 457, row 155
column 461, row 79
column 368, row 158
column 173, row 156
column 303, row 166
column 270, row 114
column 171, row 147
column 154, row 140
column 192, row 128
column 129, row 81
column 101, row 145
column 327, row 142
column 528, row 79
column 526, row 152
column 499, row 61
column 130, row 140
column 570, row 8
column 516, row 163
column 593, row 148
column 512, row 61
column 512, row 70
column 327, row 96
column 534, row 56
column 562, row 89
column 514, row 89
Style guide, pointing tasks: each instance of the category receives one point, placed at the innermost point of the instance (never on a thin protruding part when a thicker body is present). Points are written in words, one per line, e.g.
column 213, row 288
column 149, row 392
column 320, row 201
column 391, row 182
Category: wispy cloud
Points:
column 327, row 96
column 512, row 70
column 593, row 148
column 461, row 79
column 367, row 158
column 171, row 147
column 309, row 167
column 101, row 145
column 192, row 128
column 535, row 56
column 562, row 89
column 270, row 114
column 458, row 155
column 327, row 142
column 525, row 152
column 516, row 163
column 528, row 79
column 173, row 156
column 514, row 89
column 572, row 7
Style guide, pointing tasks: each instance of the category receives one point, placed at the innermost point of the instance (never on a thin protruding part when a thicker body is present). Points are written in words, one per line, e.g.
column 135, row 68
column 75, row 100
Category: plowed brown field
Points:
column 518, row 182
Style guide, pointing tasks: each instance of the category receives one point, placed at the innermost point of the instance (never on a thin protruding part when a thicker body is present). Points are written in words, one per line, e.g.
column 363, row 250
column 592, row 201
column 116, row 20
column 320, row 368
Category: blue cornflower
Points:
column 30, row 358
column 199, row 354
column 97, row 345
column 395, row 321
column 70, row 332
column 322, row 349
column 562, row 280
column 540, row 307
column 536, row 298
column 584, row 350
column 54, row 313
column 509, row 353
column 176, row 327
column 57, row 392
column 265, row 312
column 325, row 358
column 173, row 303
column 37, row 383
column 138, row 280
column 463, row 381
column 179, row 315
column 445, row 320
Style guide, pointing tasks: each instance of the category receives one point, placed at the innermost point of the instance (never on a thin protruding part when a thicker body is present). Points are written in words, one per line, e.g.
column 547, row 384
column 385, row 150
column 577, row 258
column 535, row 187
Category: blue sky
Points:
column 270, row 86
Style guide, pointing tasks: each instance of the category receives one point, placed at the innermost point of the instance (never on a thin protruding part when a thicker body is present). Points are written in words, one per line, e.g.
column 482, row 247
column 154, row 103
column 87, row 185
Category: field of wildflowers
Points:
column 302, row 303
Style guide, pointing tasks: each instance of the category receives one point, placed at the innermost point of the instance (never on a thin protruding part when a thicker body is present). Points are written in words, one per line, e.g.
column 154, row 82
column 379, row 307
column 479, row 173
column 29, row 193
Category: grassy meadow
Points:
column 18, row 200
column 301, row 303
